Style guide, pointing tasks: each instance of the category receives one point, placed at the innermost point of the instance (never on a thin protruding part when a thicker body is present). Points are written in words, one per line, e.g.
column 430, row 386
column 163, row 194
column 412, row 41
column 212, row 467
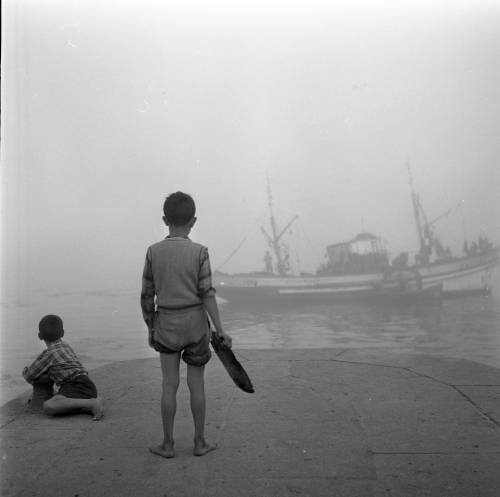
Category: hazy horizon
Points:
column 105, row 111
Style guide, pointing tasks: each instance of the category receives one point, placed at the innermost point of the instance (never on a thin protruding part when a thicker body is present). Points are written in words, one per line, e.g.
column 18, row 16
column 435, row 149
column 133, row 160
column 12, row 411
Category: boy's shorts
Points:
column 80, row 387
column 185, row 331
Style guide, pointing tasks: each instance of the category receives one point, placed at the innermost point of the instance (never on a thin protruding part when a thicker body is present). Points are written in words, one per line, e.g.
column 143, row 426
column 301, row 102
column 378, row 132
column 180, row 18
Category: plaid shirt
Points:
column 59, row 361
column 177, row 274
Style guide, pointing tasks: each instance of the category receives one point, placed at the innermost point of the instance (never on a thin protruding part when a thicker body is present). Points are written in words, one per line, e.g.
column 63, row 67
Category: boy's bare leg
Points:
column 43, row 390
column 59, row 404
column 170, row 373
column 196, row 384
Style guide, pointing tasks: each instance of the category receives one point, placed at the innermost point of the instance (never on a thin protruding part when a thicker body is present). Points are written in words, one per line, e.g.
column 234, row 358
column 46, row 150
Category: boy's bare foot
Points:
column 202, row 448
column 97, row 409
column 163, row 450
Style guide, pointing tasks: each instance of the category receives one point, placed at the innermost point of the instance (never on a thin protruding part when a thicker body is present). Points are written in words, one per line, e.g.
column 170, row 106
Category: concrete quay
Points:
column 322, row 423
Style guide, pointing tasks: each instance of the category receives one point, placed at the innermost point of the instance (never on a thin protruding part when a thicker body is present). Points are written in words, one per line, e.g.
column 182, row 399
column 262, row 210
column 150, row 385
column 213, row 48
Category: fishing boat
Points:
column 360, row 267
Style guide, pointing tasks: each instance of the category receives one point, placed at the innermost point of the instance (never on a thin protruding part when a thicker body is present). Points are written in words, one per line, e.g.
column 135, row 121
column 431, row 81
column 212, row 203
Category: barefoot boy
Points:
column 176, row 296
column 61, row 365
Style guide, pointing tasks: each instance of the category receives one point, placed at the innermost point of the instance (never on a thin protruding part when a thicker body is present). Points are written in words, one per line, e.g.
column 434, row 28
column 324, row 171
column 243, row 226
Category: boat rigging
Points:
column 280, row 251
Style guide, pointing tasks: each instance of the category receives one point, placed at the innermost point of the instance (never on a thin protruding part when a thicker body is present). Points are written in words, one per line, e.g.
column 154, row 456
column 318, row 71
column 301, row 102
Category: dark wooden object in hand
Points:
column 231, row 364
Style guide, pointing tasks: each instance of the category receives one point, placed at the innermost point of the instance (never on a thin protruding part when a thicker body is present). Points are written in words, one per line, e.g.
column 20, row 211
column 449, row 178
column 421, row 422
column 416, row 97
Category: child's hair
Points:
column 50, row 328
column 179, row 208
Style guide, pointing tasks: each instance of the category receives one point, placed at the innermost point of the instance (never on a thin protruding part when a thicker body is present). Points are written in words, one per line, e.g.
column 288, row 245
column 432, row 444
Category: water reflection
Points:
column 465, row 327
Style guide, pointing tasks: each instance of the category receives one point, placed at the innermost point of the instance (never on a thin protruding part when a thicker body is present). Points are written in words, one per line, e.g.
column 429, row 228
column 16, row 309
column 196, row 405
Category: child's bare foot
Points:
column 163, row 450
column 97, row 409
column 202, row 447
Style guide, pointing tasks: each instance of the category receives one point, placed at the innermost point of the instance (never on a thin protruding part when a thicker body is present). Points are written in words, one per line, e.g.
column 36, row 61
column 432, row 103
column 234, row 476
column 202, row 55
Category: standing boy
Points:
column 59, row 364
column 176, row 297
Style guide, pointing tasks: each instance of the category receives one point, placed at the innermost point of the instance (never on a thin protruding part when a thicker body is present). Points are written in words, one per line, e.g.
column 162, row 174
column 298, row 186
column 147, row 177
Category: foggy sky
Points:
column 108, row 107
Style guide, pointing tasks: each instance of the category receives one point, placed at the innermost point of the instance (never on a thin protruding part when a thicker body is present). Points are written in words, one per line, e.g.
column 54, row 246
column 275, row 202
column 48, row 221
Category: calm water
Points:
column 107, row 326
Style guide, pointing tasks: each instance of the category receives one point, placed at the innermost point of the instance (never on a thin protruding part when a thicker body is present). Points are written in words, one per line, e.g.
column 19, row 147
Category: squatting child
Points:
column 177, row 295
column 59, row 364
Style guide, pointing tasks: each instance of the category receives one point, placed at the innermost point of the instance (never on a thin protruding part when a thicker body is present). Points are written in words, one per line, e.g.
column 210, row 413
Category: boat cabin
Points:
column 365, row 253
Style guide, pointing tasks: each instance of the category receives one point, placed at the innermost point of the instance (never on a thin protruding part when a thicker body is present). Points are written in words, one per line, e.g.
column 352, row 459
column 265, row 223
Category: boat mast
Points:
column 418, row 223
column 274, row 240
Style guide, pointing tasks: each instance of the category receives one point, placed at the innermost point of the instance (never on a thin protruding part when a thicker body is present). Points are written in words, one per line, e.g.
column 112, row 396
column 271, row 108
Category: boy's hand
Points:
column 25, row 372
column 228, row 341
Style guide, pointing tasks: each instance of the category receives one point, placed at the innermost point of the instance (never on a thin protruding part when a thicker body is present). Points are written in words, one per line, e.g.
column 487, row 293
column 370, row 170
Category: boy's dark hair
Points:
column 179, row 208
column 50, row 328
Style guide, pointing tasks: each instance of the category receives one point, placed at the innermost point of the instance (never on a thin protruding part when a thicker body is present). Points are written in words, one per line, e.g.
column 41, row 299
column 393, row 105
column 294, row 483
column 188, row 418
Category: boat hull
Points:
column 464, row 275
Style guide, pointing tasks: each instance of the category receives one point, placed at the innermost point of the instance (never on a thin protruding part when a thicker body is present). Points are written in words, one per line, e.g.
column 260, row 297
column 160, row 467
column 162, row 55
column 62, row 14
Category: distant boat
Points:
column 360, row 267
